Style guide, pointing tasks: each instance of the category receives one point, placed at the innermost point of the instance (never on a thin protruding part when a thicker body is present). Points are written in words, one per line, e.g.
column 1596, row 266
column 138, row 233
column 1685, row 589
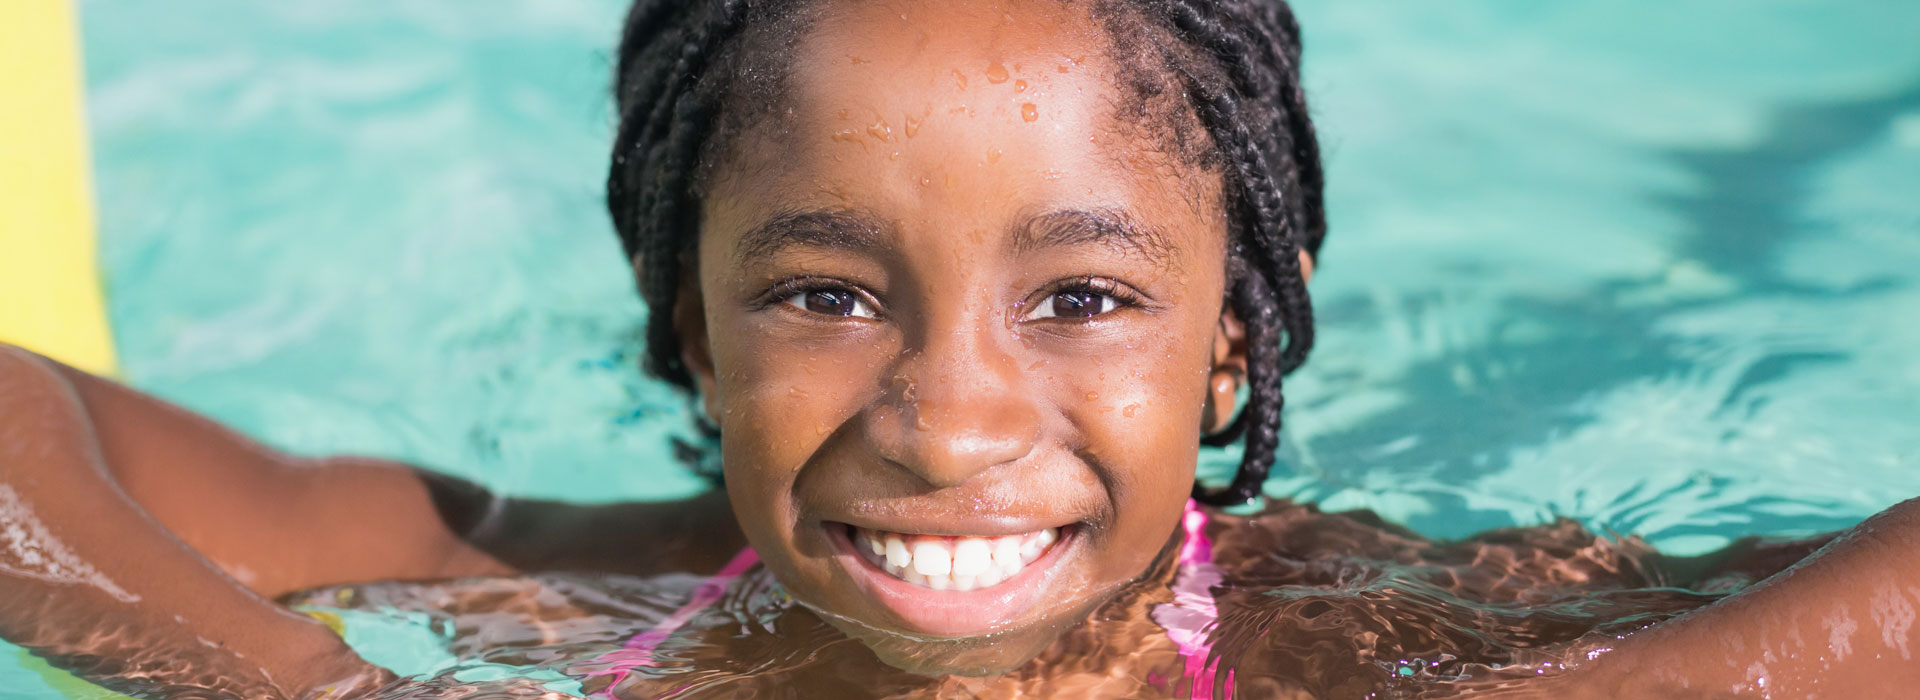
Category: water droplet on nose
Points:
column 959, row 79
column 1128, row 411
column 880, row 130
column 993, row 154
column 796, row 392
column 912, row 126
column 1093, row 396
column 1019, row 86
column 996, row 73
column 847, row 135
column 1029, row 112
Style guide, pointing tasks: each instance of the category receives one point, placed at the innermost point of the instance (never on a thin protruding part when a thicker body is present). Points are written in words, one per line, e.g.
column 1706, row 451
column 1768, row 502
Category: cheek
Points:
column 1139, row 418
column 1139, row 411
column 782, row 398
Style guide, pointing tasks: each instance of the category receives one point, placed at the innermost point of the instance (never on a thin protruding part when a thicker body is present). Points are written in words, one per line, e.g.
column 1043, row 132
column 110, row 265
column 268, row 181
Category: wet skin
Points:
column 952, row 296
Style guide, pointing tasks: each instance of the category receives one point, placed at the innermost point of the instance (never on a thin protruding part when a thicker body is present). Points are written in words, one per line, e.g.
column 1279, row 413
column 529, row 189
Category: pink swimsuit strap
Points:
column 1197, row 570
column 1190, row 619
column 638, row 651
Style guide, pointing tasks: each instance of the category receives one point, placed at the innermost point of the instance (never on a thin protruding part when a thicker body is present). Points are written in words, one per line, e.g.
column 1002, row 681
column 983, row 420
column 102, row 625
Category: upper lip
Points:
column 974, row 525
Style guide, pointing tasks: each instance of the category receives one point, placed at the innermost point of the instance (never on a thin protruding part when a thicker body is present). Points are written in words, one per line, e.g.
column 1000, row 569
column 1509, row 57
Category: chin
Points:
column 979, row 656
column 990, row 655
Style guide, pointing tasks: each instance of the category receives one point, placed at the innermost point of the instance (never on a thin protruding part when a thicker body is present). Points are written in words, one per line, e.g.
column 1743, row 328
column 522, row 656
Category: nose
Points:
column 955, row 406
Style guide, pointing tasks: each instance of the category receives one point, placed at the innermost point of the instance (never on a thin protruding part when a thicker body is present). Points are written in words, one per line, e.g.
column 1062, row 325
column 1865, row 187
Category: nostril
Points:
column 953, row 410
column 945, row 443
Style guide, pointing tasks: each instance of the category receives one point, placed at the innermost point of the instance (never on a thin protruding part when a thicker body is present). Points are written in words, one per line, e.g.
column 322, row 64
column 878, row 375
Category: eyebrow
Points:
column 853, row 230
column 815, row 228
column 1107, row 227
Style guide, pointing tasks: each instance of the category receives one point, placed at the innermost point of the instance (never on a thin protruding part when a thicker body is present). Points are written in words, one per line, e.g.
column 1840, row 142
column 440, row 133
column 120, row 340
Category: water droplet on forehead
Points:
column 997, row 73
column 1029, row 112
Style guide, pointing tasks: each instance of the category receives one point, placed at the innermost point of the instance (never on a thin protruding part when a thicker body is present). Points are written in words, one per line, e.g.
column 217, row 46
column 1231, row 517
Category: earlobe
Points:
column 1229, row 369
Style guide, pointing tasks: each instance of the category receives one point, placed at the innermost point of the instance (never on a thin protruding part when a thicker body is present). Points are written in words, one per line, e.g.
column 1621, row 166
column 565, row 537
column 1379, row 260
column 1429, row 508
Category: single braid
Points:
column 1235, row 61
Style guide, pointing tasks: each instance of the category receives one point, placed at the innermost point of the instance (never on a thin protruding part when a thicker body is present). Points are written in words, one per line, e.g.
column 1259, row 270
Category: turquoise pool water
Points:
column 1649, row 265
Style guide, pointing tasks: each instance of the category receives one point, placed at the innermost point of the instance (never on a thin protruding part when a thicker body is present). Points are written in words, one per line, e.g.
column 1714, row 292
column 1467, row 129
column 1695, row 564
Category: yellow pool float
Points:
column 50, row 287
column 50, row 296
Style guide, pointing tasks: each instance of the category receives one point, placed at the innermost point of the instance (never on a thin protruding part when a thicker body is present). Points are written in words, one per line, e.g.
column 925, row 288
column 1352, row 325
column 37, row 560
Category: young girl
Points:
column 962, row 288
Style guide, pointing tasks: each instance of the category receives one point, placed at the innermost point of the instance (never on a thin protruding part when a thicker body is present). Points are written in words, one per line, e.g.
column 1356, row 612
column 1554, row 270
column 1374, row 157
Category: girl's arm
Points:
column 139, row 540
column 1841, row 624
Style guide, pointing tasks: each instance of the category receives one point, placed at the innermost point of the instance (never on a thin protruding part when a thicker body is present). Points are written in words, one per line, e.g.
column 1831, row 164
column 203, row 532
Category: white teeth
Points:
column 991, row 578
column 972, row 556
column 1030, row 550
column 897, row 555
column 952, row 563
column 931, row 557
column 1006, row 553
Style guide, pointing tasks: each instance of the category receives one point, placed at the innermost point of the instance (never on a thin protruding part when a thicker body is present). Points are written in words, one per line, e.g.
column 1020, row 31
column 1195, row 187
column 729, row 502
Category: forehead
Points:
column 932, row 109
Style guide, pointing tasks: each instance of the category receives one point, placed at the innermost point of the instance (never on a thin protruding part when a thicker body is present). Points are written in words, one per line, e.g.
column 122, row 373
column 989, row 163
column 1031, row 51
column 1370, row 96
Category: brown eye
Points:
column 832, row 302
column 1078, row 303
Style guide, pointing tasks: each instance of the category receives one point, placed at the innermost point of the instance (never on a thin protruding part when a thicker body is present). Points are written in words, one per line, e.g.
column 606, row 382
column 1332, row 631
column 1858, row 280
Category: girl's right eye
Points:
column 831, row 302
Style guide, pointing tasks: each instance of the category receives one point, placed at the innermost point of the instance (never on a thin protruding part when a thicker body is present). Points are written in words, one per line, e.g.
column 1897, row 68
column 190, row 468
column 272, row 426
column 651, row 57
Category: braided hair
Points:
column 690, row 74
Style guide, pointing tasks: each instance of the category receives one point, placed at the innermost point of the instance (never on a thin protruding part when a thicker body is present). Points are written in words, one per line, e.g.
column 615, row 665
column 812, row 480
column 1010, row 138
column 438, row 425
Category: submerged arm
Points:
column 1841, row 624
column 141, row 541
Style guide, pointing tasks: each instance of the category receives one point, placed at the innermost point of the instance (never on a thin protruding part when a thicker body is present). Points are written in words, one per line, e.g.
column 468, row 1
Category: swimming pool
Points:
column 1645, row 265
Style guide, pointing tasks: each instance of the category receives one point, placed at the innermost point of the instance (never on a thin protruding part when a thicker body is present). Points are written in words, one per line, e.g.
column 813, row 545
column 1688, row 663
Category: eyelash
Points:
column 784, row 292
column 1123, row 296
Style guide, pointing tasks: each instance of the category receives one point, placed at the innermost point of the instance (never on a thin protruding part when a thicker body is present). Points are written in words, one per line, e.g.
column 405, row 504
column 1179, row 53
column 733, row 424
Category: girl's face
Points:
column 958, row 327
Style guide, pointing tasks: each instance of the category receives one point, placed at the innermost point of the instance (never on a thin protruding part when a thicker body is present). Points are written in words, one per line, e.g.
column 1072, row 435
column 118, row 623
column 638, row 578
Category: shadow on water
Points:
column 1468, row 410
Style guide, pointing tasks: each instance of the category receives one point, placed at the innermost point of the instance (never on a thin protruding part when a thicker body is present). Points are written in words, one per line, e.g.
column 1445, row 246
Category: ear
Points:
column 696, row 350
column 1306, row 266
column 1228, row 371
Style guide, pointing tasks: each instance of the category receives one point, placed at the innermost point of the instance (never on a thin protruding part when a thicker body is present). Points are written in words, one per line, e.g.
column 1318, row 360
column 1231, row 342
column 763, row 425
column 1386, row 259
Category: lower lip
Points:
column 951, row 613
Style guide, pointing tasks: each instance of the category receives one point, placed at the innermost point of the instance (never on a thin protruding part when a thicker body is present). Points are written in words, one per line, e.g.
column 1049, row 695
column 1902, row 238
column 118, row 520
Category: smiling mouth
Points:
column 956, row 564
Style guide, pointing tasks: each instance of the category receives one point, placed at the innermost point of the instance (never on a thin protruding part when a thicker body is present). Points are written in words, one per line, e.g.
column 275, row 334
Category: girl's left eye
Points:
column 1075, row 303
column 831, row 302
